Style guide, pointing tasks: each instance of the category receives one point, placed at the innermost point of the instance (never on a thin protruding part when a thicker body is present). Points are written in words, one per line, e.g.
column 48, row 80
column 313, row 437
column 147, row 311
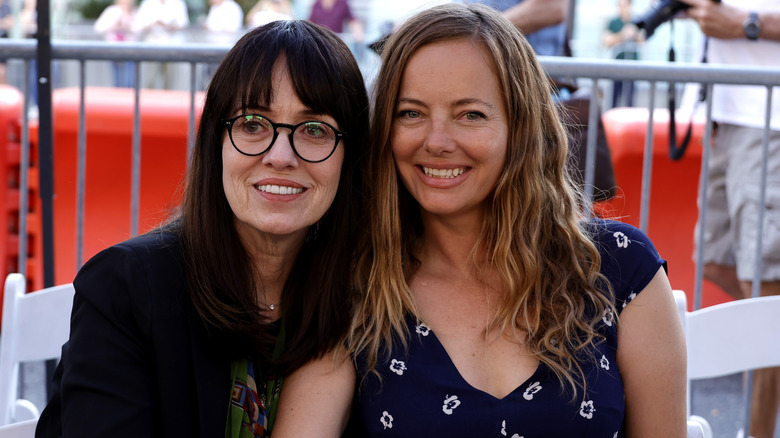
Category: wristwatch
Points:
column 752, row 26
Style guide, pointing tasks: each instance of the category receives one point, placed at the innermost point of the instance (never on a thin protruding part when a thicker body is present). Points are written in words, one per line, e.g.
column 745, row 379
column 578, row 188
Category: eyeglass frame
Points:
column 230, row 122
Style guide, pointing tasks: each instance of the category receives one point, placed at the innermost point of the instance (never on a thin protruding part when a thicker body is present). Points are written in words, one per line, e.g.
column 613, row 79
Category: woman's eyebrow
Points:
column 409, row 100
column 307, row 112
column 250, row 109
column 459, row 102
column 472, row 100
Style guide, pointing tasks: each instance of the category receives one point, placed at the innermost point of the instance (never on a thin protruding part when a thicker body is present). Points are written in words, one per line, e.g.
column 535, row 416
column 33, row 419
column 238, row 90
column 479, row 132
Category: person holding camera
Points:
column 744, row 32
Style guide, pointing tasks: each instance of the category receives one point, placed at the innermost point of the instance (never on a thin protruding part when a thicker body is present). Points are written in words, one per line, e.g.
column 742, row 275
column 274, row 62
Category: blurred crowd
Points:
column 169, row 22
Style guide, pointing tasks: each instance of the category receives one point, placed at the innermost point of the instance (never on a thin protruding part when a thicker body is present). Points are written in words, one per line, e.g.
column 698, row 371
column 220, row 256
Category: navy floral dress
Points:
column 424, row 395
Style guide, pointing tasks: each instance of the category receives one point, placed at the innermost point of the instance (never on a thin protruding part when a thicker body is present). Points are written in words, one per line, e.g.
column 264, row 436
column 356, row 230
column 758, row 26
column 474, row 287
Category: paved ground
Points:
column 720, row 401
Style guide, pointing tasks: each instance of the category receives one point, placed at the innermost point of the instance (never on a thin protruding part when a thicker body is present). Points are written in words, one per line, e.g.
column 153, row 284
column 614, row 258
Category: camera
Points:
column 660, row 13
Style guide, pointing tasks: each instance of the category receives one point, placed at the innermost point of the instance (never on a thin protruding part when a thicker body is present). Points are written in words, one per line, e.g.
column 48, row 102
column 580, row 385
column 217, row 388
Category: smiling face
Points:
column 277, row 194
column 449, row 136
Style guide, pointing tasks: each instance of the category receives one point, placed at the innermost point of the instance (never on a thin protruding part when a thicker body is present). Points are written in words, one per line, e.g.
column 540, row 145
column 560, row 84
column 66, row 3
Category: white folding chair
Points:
column 21, row 429
column 698, row 427
column 730, row 337
column 35, row 325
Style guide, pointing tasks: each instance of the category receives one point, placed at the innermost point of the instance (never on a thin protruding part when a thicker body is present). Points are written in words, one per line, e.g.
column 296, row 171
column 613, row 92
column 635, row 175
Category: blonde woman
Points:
column 491, row 306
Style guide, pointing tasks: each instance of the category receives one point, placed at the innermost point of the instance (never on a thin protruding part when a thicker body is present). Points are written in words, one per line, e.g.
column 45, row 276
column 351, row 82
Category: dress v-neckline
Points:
column 448, row 362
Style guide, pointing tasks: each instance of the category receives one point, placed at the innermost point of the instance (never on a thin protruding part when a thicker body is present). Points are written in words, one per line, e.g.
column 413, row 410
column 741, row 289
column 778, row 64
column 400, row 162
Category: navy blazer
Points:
column 139, row 362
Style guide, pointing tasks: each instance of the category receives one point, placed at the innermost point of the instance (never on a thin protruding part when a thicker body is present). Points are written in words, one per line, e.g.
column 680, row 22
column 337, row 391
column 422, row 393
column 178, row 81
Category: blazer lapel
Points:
column 211, row 372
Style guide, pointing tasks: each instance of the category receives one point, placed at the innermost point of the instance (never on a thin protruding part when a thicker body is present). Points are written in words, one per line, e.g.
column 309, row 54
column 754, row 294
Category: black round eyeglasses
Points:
column 312, row 141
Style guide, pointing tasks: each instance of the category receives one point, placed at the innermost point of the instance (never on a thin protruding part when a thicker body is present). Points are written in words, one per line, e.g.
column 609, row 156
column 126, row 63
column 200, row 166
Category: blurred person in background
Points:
column 28, row 25
column 115, row 24
column 224, row 22
column 621, row 36
column 161, row 22
column 223, row 25
column 266, row 11
column 333, row 14
column 6, row 18
column 6, row 23
column 543, row 22
column 746, row 33
column 25, row 25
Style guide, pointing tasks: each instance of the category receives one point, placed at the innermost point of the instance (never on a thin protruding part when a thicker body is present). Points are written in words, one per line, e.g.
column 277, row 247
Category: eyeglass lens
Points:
column 312, row 141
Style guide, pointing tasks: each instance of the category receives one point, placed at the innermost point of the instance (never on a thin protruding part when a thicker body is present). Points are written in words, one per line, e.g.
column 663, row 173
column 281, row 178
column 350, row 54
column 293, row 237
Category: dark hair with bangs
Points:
column 316, row 61
column 319, row 293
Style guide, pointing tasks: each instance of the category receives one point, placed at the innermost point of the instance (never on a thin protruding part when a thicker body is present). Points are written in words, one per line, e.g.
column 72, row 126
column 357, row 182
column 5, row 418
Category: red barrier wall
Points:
column 164, row 127
column 11, row 104
column 673, row 192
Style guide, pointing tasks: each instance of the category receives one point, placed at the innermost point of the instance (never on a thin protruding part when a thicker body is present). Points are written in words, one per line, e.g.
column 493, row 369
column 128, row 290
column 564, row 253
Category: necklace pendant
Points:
column 271, row 306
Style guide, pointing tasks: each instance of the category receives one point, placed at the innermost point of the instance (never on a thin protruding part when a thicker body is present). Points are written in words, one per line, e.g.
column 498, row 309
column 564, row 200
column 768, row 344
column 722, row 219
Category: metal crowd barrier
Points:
column 585, row 71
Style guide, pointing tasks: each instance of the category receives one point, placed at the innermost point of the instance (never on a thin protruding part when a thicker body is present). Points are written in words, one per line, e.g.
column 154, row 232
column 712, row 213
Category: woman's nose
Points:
column 439, row 139
column 281, row 153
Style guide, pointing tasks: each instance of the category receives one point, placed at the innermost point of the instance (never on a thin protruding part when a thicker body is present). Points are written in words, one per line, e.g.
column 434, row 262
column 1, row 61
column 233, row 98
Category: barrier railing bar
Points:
column 18, row 48
column 81, row 166
column 554, row 65
column 704, row 178
column 191, row 126
column 647, row 164
column 762, row 193
column 135, row 178
column 590, row 151
column 24, row 168
column 660, row 71
column 138, row 51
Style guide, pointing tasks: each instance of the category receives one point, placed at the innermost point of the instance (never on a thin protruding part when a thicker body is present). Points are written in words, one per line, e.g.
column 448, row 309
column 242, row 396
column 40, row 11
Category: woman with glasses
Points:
column 492, row 307
column 190, row 329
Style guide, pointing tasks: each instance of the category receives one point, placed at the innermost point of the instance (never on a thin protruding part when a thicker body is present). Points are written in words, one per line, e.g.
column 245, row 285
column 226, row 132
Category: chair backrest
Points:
column 730, row 337
column 35, row 325
column 21, row 429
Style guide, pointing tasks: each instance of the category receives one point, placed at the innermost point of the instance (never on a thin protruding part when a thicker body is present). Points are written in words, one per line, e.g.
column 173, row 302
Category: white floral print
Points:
column 629, row 298
column 608, row 317
column 531, row 390
column 423, row 329
column 450, row 403
column 398, row 367
column 503, row 430
column 387, row 420
column 622, row 239
column 587, row 409
column 604, row 362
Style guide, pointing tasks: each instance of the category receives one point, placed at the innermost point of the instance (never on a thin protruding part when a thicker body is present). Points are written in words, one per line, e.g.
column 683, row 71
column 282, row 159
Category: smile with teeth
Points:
column 443, row 173
column 279, row 190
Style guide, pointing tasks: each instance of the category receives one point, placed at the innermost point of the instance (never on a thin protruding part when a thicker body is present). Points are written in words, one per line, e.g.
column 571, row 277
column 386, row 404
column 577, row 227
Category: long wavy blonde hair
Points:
column 533, row 228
